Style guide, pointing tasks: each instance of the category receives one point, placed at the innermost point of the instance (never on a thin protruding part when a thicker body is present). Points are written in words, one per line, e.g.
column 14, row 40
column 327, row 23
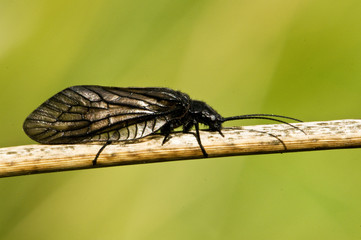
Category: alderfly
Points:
column 84, row 114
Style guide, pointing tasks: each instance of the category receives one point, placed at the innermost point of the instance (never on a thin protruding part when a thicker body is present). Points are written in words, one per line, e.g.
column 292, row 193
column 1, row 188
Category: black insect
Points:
column 83, row 114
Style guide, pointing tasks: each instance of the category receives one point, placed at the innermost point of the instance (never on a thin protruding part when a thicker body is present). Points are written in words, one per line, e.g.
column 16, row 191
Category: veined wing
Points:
column 82, row 114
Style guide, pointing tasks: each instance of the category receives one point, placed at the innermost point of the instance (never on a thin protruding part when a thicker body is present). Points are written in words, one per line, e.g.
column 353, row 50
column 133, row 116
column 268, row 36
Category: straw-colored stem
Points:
column 30, row 159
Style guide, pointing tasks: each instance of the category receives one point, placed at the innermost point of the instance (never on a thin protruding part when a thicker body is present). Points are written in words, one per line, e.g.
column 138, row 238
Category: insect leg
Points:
column 205, row 154
column 220, row 132
column 188, row 126
column 166, row 130
column 100, row 151
column 166, row 138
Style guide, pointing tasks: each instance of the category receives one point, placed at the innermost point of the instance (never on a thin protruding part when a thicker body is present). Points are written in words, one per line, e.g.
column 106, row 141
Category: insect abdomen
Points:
column 131, row 132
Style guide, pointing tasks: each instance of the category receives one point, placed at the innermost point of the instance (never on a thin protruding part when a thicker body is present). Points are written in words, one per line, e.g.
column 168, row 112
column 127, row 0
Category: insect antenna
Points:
column 271, row 117
column 270, row 134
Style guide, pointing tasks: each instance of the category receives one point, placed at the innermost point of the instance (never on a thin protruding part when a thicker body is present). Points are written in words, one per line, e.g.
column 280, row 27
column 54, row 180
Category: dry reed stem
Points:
column 30, row 159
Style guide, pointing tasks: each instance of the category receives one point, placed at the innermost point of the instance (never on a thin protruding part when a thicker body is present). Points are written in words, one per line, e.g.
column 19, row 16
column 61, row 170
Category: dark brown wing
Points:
column 83, row 114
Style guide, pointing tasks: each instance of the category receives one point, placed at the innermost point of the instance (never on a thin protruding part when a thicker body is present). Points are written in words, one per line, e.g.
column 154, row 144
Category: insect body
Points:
column 84, row 114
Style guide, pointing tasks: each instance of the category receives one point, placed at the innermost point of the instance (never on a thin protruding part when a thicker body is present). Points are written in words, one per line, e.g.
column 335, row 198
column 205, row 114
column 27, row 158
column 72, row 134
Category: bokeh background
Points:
column 298, row 58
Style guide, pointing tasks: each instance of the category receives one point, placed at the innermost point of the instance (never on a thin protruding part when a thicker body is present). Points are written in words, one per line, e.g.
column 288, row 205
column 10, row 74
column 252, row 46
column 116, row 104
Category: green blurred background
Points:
column 295, row 58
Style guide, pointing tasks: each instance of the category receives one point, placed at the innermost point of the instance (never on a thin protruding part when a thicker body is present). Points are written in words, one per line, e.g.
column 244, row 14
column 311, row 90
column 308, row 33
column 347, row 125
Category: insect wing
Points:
column 96, row 114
